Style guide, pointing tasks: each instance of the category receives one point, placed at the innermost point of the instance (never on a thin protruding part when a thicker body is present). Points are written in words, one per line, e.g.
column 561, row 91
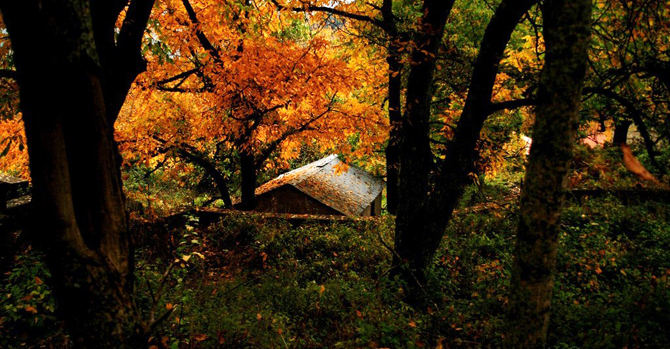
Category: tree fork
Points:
column 426, row 206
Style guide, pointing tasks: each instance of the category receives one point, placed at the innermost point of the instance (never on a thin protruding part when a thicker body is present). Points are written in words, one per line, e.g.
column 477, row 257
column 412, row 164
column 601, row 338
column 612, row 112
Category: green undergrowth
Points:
column 252, row 282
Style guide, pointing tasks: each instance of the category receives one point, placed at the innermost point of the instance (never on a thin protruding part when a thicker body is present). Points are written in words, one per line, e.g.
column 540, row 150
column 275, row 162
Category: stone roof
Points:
column 346, row 189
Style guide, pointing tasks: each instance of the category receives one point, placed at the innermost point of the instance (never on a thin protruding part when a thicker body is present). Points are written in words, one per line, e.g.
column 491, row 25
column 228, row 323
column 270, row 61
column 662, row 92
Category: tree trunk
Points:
column 566, row 32
column 621, row 132
column 413, row 221
column 248, row 173
column 393, row 58
column 77, row 192
column 425, row 208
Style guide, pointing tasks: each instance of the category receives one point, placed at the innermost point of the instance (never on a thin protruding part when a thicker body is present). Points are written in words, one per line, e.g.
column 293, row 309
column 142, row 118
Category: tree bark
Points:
column 566, row 32
column 426, row 206
column 77, row 188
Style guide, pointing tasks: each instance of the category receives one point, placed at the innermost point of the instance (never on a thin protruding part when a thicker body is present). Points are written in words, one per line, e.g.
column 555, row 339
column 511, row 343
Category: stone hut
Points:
column 326, row 187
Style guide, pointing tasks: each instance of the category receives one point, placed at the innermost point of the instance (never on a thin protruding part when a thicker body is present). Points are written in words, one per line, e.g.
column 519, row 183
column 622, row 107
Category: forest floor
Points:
column 261, row 282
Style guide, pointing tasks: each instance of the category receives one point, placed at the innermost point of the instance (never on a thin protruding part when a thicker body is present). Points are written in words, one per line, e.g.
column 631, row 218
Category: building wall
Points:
column 288, row 199
column 375, row 208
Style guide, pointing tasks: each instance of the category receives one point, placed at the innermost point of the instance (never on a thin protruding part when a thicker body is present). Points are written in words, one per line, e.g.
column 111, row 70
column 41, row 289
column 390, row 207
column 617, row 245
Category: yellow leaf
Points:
column 186, row 257
column 259, row 316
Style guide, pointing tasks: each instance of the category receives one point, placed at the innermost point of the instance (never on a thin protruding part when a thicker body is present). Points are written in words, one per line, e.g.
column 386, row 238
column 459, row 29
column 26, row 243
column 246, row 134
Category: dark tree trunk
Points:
column 413, row 221
column 621, row 132
column 566, row 32
column 425, row 207
column 248, row 173
column 395, row 66
column 77, row 190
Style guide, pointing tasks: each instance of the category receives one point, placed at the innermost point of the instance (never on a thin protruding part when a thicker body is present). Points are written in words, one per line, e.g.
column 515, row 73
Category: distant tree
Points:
column 75, row 61
column 566, row 33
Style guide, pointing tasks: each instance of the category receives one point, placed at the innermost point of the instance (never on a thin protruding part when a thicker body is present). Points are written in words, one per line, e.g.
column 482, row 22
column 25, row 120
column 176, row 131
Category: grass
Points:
column 249, row 282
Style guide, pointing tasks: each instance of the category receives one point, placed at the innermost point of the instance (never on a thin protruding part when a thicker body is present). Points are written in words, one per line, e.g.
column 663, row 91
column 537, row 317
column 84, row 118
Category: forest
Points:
column 334, row 174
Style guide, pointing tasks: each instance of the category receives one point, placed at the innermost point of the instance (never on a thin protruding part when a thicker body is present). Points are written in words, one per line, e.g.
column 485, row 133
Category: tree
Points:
column 566, row 32
column 430, row 188
column 283, row 85
column 75, row 61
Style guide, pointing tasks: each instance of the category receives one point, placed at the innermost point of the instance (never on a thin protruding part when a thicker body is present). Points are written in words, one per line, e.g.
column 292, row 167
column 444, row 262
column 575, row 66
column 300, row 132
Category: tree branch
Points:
column 129, row 41
column 308, row 7
column 202, row 38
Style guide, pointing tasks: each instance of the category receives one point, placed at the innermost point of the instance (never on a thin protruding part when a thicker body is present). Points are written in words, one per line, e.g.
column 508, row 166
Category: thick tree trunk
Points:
column 248, row 173
column 77, row 192
column 425, row 207
column 566, row 32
